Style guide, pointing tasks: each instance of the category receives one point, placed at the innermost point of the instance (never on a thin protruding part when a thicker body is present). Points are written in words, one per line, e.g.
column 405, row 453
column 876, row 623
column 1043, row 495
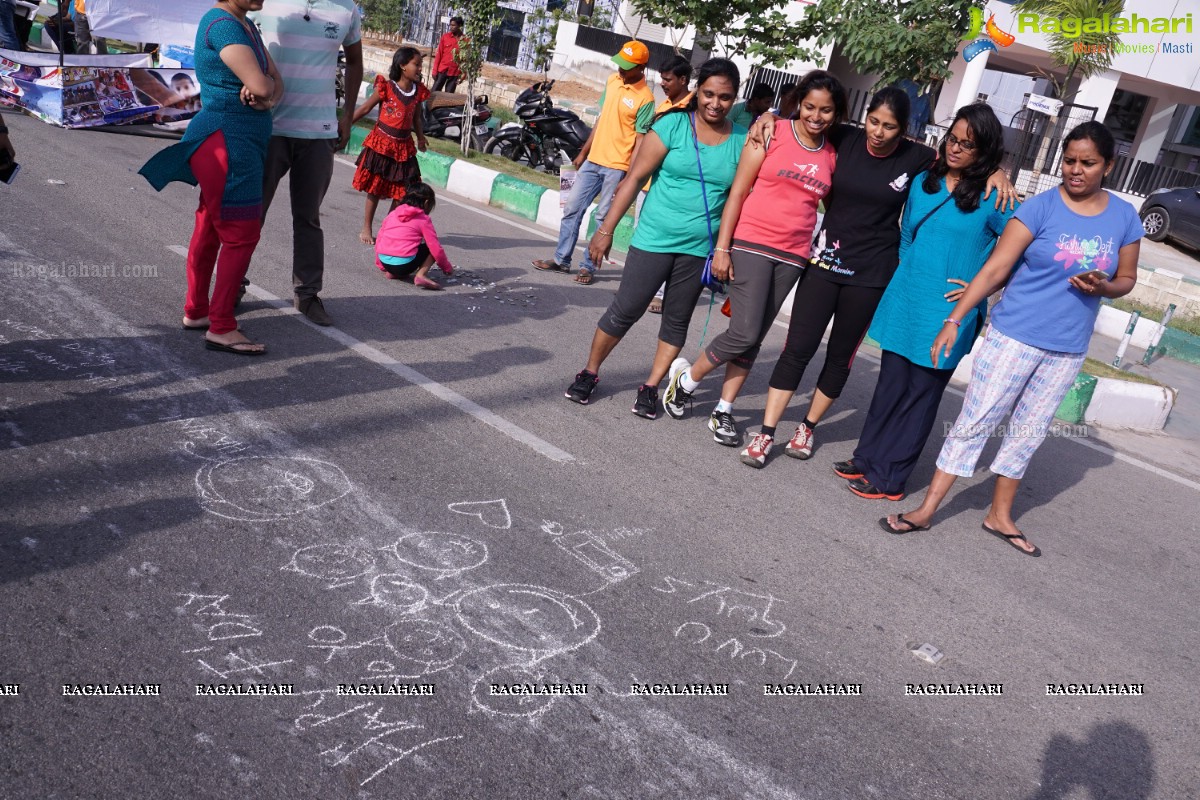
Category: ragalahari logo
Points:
column 992, row 35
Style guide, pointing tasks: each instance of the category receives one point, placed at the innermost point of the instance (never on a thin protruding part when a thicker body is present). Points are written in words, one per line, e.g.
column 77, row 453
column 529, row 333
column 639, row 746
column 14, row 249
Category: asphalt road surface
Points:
column 406, row 500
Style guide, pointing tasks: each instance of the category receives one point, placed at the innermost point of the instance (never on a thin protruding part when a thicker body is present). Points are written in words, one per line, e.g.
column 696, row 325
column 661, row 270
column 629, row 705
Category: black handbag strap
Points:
column 930, row 214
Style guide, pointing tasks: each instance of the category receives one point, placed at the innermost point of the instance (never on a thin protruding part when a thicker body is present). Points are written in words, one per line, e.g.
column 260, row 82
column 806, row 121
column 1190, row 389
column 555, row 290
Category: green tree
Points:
column 480, row 17
column 735, row 23
column 894, row 39
column 385, row 16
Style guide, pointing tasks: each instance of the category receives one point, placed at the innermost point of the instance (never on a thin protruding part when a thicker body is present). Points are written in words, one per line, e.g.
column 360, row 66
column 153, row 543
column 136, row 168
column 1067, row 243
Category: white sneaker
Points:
column 675, row 397
column 723, row 429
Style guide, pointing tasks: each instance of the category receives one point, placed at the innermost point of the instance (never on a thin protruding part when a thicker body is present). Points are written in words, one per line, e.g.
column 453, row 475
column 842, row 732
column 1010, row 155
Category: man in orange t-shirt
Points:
column 446, row 71
column 626, row 111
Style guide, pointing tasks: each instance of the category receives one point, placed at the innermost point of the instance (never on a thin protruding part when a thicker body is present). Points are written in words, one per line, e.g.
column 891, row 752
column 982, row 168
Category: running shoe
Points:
column 646, row 404
column 755, row 455
column 675, row 397
column 801, row 445
column 581, row 390
column 868, row 491
column 723, row 430
column 847, row 469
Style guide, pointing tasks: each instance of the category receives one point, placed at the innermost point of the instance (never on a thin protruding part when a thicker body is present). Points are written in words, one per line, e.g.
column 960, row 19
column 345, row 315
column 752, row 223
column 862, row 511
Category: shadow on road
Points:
column 1115, row 762
column 28, row 550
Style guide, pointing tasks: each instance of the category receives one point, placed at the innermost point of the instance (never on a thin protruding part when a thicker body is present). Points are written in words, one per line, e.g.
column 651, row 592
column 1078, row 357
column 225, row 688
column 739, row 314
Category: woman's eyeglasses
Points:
column 964, row 144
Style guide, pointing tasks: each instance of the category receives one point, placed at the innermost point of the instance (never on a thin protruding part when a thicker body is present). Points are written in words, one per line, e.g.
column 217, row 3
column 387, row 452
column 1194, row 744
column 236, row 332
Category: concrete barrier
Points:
column 518, row 197
column 435, row 168
column 1124, row 404
column 471, row 181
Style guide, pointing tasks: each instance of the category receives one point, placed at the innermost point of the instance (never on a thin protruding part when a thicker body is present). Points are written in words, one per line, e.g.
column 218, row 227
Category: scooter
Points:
column 443, row 117
column 546, row 134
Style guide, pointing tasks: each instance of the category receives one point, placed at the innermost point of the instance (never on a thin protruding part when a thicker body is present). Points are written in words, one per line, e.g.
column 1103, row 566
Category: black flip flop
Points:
column 912, row 526
column 194, row 327
column 209, row 344
column 1012, row 539
column 549, row 266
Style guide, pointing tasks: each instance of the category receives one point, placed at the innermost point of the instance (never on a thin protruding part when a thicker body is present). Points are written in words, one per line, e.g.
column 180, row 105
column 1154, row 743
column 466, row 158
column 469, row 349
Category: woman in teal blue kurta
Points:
column 946, row 235
column 223, row 151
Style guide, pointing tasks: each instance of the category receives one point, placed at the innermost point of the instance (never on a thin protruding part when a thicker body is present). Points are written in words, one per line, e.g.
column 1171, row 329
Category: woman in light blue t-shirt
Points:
column 1070, row 247
column 672, row 239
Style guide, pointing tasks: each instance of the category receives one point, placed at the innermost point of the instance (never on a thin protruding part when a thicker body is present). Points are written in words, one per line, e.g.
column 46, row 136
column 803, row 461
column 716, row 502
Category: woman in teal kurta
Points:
column 946, row 235
column 223, row 151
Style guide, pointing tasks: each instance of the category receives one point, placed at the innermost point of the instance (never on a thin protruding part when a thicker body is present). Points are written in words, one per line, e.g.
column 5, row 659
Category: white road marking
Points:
column 409, row 374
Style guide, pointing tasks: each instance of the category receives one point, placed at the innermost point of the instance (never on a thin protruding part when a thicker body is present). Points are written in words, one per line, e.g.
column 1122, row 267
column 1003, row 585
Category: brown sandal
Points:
column 585, row 277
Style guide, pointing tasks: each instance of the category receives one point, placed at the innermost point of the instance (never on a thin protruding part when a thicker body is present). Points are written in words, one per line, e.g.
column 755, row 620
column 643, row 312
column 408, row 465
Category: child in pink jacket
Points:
column 407, row 243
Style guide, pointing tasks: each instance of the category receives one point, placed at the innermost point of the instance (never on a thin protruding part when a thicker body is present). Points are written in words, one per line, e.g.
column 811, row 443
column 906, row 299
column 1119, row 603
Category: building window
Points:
column 1191, row 131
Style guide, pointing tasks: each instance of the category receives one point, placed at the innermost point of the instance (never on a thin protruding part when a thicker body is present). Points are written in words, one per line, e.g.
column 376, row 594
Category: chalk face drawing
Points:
column 405, row 650
column 533, row 619
column 268, row 488
column 396, row 592
column 338, row 563
column 444, row 553
column 512, row 705
column 493, row 513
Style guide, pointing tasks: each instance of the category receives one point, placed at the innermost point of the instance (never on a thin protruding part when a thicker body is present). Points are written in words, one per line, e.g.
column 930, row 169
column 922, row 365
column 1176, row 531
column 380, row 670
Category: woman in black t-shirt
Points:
column 855, row 256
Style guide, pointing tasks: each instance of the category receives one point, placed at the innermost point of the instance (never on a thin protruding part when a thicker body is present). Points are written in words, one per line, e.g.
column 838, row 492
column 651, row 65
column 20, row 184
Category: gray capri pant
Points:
column 644, row 272
column 760, row 285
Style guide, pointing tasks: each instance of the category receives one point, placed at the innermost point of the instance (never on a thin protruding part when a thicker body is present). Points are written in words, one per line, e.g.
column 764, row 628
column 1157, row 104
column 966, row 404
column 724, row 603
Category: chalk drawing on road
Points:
column 396, row 592
column 405, row 650
column 493, row 513
column 597, row 556
column 727, row 603
column 770, row 661
column 373, row 738
column 445, row 553
column 552, row 528
column 338, row 563
column 532, row 619
column 511, row 705
column 269, row 488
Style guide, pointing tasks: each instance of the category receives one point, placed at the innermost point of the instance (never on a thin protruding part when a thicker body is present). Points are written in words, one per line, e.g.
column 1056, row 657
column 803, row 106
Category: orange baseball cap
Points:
column 633, row 54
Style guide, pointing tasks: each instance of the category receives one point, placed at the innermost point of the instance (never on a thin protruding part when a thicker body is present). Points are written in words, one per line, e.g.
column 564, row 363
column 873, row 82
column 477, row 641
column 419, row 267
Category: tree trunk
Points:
column 468, row 123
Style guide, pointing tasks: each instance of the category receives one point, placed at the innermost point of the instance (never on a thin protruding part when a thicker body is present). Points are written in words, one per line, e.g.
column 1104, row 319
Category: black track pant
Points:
column 819, row 299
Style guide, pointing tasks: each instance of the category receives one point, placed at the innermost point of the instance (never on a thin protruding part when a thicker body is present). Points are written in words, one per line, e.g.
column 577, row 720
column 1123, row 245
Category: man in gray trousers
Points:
column 304, row 37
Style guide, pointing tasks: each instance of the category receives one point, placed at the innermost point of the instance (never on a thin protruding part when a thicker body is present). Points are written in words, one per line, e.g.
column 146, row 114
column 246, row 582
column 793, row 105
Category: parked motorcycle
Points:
column 546, row 134
column 443, row 117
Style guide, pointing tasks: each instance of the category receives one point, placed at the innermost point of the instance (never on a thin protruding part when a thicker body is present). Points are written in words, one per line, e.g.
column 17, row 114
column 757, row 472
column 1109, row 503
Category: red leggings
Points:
column 225, row 245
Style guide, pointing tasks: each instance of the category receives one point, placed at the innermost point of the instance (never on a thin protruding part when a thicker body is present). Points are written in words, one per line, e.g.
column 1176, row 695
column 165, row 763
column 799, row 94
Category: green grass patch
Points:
column 1188, row 324
column 1101, row 370
column 498, row 163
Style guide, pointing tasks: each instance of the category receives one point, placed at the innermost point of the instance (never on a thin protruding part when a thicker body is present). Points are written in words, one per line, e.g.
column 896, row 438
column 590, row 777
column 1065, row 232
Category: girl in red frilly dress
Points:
column 388, row 162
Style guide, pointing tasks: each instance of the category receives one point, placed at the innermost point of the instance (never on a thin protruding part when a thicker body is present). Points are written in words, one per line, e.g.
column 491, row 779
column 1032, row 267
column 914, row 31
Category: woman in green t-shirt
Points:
column 673, row 237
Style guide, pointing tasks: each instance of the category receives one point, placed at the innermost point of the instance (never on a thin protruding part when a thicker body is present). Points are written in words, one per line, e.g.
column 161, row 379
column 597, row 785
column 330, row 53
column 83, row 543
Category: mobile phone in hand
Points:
column 8, row 167
column 1099, row 273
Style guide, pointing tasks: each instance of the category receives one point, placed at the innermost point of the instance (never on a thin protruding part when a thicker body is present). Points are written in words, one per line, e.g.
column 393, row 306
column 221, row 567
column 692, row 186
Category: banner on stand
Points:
column 109, row 90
